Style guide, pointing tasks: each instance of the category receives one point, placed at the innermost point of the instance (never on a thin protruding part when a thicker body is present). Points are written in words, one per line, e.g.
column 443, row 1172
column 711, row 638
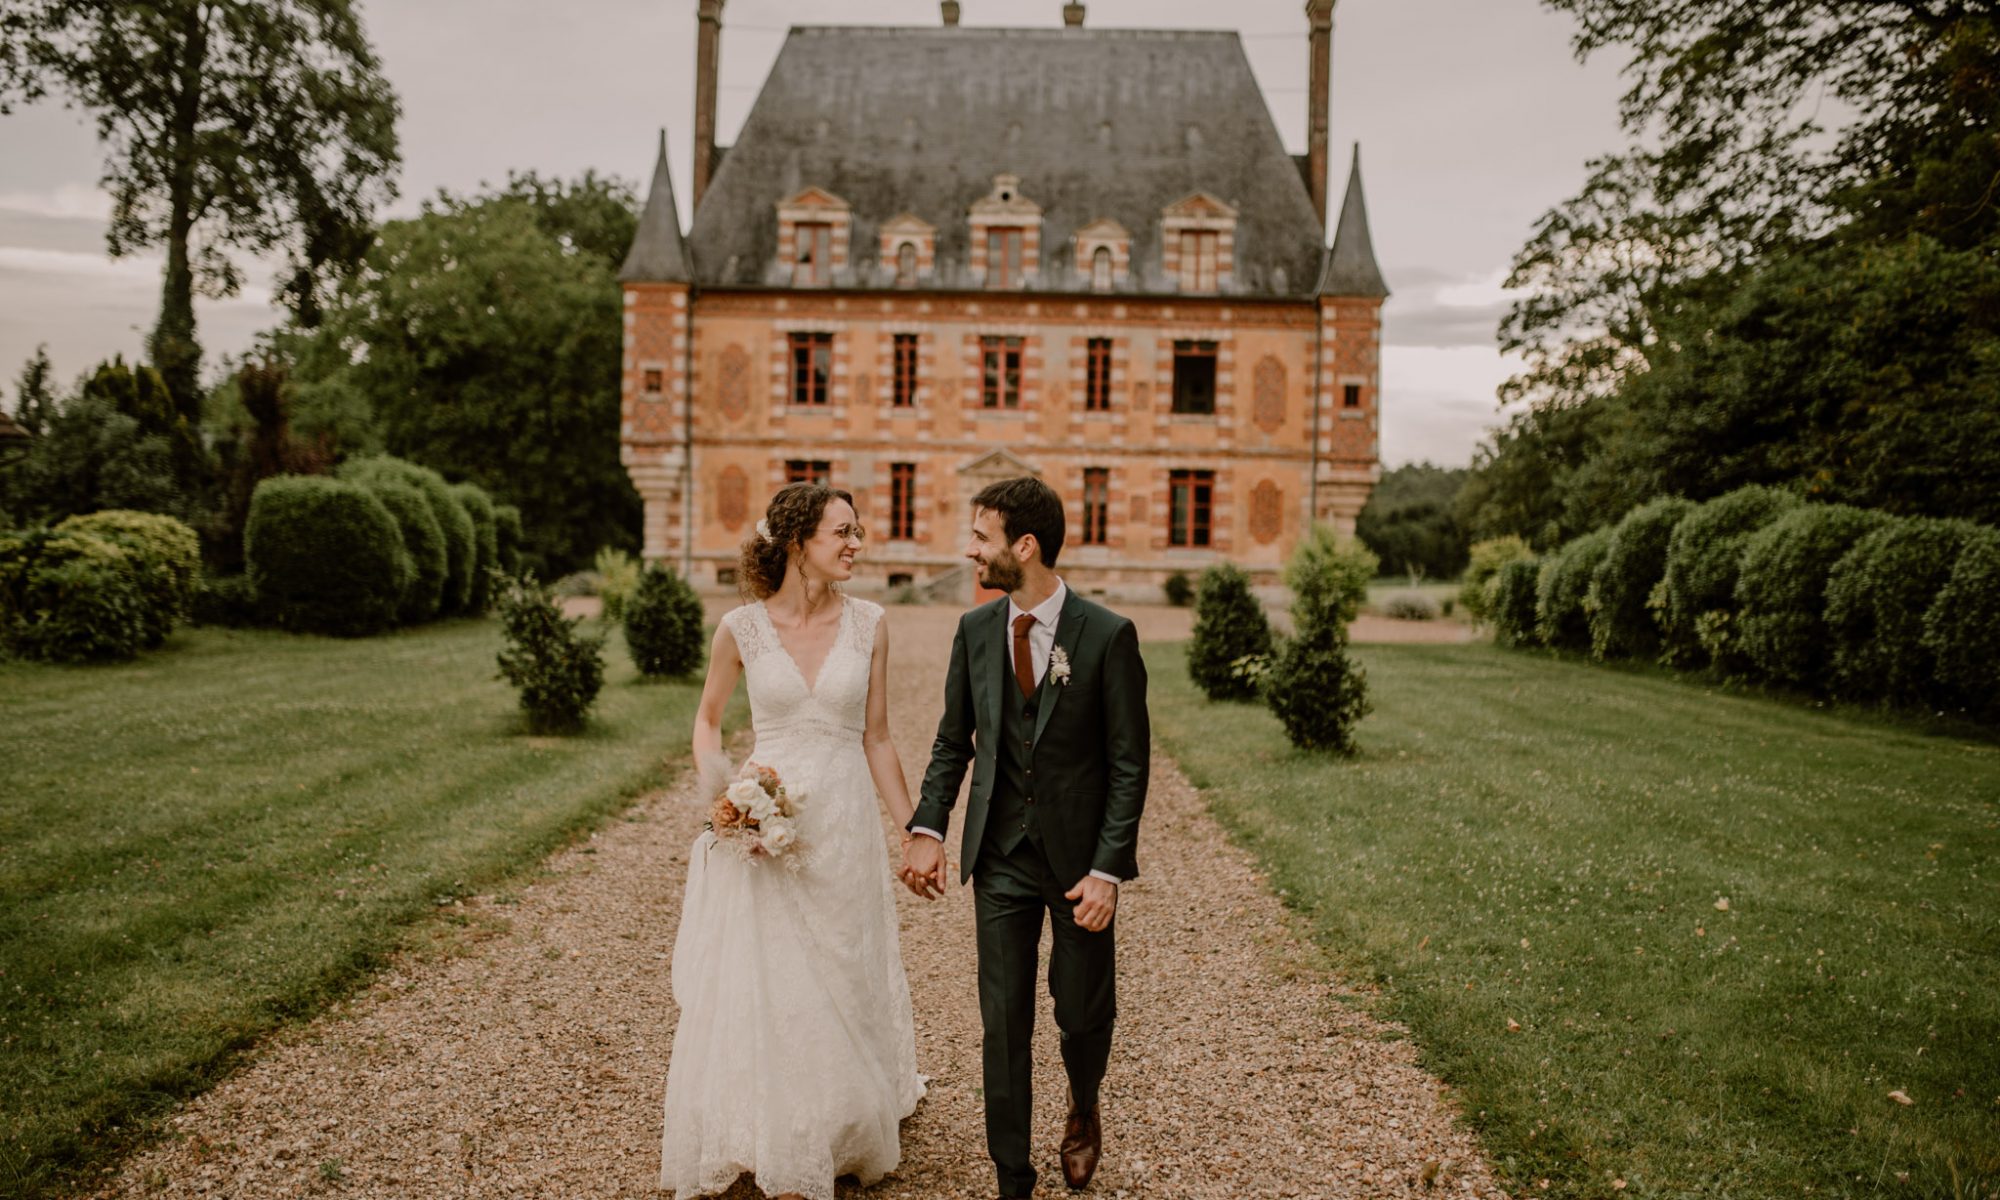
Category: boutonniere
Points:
column 1059, row 666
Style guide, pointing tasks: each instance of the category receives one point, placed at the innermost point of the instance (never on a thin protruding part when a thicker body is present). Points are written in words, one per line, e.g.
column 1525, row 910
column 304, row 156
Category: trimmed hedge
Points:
column 1698, row 589
column 423, row 537
column 1512, row 609
column 1876, row 600
column 325, row 556
column 460, row 541
column 486, row 544
column 1962, row 628
column 166, row 555
column 1622, row 622
column 1229, row 625
column 507, row 532
column 71, row 596
column 1476, row 590
column 664, row 624
column 1562, row 617
column 1781, row 589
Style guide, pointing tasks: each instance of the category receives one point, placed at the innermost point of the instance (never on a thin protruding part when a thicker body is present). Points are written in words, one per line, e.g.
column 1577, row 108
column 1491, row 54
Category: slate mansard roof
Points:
column 1096, row 123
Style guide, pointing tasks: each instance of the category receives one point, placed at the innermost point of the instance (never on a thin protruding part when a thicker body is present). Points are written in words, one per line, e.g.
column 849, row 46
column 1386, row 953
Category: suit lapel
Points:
column 994, row 674
column 1069, row 631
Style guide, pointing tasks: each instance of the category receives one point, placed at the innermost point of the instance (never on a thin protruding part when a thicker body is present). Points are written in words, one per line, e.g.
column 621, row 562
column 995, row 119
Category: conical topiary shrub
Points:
column 664, row 624
column 1316, row 692
column 1229, row 626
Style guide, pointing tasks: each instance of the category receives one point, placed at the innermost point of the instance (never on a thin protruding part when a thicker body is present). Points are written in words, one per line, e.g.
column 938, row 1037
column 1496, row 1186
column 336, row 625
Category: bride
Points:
column 795, row 1056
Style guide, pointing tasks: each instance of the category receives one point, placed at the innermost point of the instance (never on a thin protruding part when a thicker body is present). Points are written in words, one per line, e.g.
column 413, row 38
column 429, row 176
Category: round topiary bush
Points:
column 166, row 554
column 1962, row 628
column 460, row 543
column 1475, row 590
column 325, row 556
column 1512, row 608
column 70, row 596
column 1229, row 625
column 1698, row 589
column 664, row 624
column 423, row 537
column 485, row 540
column 507, row 532
column 228, row 601
column 1876, row 599
column 1562, row 618
column 1410, row 606
column 1621, row 621
column 1179, row 589
column 558, row 671
column 1781, row 589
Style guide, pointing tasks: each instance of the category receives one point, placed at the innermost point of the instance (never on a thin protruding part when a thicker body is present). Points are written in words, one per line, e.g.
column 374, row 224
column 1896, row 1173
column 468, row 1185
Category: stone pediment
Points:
column 814, row 197
column 1200, row 206
column 1005, row 200
column 907, row 225
column 1103, row 229
column 999, row 464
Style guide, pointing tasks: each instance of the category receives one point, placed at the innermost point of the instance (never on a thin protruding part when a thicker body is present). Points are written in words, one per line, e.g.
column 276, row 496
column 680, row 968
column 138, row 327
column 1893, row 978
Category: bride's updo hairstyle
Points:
column 791, row 520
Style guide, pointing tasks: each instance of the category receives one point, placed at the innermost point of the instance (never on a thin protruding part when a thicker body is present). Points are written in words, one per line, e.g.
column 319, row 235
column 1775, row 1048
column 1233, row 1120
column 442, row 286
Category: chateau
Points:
column 936, row 257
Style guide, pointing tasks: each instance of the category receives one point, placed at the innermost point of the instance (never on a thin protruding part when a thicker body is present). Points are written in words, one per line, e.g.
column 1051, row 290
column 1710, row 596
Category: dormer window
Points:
column 1198, row 237
column 1006, row 235
column 907, row 249
column 1104, row 251
column 814, row 261
column 812, row 237
column 1100, row 269
column 906, row 265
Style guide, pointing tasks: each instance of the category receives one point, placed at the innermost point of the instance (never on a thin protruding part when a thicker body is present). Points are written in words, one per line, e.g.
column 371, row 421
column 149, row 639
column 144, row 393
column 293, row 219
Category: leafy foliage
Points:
column 1562, row 591
column 1622, row 621
column 70, row 596
column 485, row 542
column 557, row 670
column 617, row 578
column 1702, row 558
column 461, row 546
column 165, row 557
column 1229, row 623
column 1317, row 693
column 1409, row 521
column 1513, row 609
column 115, row 443
column 507, row 537
column 1781, row 589
column 325, row 556
column 664, row 624
column 423, row 537
column 1483, row 565
column 1962, row 627
column 1328, row 574
column 1179, row 589
column 1876, row 600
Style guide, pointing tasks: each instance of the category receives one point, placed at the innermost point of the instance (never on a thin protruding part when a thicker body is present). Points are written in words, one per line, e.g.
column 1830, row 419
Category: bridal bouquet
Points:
column 755, row 813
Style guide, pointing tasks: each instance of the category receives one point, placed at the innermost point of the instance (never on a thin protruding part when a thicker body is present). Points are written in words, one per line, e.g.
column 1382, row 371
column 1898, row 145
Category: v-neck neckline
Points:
column 812, row 684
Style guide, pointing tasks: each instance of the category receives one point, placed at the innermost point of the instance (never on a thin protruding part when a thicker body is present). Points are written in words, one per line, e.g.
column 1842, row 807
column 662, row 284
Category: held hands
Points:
column 924, row 869
column 1097, row 903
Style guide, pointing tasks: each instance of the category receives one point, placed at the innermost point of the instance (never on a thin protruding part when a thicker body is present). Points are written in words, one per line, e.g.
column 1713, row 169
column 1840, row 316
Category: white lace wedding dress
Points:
column 795, row 1056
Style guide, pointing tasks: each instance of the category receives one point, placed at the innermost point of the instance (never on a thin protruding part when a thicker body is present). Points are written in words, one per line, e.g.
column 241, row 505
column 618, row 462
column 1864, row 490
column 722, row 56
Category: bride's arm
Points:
column 884, row 765
column 725, row 664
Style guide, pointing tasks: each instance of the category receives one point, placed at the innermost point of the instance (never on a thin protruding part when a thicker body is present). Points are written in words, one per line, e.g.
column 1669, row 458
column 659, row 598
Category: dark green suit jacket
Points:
column 1092, row 741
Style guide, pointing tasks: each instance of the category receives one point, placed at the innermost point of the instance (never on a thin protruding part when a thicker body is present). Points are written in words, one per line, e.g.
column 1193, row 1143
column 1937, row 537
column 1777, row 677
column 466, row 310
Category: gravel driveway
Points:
column 529, row 1059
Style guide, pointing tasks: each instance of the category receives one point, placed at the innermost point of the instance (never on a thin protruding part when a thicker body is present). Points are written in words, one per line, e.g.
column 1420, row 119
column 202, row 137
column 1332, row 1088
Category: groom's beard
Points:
column 1002, row 572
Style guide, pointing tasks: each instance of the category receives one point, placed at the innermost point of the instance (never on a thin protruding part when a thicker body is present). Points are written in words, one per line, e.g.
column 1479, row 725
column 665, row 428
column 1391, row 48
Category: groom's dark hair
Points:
column 1026, row 505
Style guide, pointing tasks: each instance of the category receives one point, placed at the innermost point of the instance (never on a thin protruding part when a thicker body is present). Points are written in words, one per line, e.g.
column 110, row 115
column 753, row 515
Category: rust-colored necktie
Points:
column 1024, row 655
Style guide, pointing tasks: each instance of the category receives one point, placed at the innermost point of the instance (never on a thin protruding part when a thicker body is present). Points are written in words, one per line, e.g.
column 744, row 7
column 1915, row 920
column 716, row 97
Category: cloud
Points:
column 1444, row 309
column 78, row 201
column 1438, row 402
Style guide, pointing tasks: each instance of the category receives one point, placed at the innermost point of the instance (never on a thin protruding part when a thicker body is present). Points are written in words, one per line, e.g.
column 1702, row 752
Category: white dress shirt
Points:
column 1041, row 644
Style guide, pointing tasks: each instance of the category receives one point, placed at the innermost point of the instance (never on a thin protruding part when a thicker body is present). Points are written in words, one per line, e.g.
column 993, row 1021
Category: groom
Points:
column 1045, row 696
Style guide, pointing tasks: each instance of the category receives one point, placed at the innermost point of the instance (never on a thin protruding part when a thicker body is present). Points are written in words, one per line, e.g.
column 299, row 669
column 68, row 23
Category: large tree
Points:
column 484, row 336
column 250, row 125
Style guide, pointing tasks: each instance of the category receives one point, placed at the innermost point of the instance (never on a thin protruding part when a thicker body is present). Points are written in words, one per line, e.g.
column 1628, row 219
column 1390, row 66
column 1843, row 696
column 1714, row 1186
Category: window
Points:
column 1189, row 497
column 906, row 264
column 1100, row 270
column 1003, row 256
column 898, row 579
column 902, row 500
column 809, row 470
column 812, row 367
column 726, row 576
column 1001, row 362
column 1096, row 505
column 814, row 254
column 904, row 391
column 1194, row 377
column 655, row 380
column 1097, row 376
column 1350, row 396
column 1198, row 260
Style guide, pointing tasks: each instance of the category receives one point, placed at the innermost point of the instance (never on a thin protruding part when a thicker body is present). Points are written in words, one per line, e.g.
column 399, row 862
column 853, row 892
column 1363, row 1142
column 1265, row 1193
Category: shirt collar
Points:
column 1047, row 611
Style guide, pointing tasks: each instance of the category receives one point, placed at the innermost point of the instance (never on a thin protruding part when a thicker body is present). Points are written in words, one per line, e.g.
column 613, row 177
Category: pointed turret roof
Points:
column 659, row 253
column 1350, row 266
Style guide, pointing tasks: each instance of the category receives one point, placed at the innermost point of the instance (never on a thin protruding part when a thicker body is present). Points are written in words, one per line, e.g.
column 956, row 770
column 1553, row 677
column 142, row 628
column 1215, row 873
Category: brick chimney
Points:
column 1072, row 16
column 950, row 10
column 707, row 64
column 1318, row 85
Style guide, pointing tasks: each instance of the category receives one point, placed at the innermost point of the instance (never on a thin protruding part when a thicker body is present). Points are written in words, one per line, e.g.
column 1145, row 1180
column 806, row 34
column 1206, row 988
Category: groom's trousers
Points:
column 1011, row 889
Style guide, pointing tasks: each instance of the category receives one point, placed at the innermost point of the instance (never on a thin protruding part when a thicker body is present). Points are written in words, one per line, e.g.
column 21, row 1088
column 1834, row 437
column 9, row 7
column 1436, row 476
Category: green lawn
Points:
column 226, row 834
column 1728, row 926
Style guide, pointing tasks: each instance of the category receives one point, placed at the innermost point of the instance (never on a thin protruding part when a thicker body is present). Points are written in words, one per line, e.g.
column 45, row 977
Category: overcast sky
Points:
column 1473, row 119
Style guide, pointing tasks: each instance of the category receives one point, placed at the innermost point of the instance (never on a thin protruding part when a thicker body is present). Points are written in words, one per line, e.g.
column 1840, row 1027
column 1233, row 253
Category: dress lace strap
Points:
column 753, row 639
column 865, row 617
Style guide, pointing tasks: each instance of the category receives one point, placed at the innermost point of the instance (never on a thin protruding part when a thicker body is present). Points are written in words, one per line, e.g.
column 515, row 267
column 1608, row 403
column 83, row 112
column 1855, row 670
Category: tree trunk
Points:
column 175, row 352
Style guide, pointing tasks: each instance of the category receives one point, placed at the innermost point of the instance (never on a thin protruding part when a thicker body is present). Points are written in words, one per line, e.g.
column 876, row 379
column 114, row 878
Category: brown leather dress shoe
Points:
column 1083, row 1139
